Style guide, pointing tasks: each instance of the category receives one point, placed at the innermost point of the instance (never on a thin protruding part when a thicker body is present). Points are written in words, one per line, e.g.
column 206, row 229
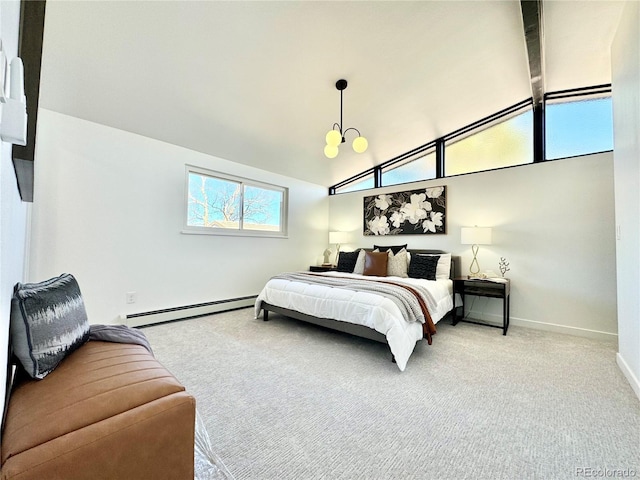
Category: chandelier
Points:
column 336, row 135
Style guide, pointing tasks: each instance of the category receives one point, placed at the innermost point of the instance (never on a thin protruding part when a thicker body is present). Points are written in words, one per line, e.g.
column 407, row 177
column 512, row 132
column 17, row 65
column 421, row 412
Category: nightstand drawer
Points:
column 484, row 292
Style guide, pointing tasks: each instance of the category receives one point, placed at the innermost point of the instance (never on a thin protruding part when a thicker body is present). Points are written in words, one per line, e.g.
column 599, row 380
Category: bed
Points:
column 366, row 305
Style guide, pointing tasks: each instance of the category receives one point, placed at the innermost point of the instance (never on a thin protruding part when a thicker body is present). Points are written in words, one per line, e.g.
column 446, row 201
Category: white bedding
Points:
column 362, row 308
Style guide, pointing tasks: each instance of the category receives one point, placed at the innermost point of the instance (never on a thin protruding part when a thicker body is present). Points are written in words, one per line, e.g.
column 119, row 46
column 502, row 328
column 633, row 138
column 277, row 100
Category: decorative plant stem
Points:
column 504, row 266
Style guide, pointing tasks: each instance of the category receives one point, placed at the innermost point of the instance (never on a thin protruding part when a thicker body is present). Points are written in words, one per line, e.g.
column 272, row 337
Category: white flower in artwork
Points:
column 416, row 209
column 397, row 219
column 383, row 202
column 434, row 220
column 434, row 192
column 379, row 225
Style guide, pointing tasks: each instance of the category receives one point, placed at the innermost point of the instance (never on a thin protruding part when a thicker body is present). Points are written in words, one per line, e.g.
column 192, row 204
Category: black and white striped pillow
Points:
column 48, row 322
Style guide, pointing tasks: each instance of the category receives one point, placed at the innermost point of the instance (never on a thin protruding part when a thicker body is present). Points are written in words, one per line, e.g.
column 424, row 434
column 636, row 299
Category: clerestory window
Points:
column 570, row 123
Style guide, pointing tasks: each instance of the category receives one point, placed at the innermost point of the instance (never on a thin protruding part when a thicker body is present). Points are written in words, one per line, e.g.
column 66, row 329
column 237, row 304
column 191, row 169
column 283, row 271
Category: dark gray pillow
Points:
column 423, row 266
column 394, row 248
column 48, row 322
column 347, row 261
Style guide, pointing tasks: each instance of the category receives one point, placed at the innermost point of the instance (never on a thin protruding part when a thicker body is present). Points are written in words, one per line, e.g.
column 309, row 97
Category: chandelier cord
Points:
column 341, row 122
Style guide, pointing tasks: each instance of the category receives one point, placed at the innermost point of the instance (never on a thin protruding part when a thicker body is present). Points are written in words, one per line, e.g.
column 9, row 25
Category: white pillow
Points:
column 359, row 268
column 443, row 270
column 398, row 264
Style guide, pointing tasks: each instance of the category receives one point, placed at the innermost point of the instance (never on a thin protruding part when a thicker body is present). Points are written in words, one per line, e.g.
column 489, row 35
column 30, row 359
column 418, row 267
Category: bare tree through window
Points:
column 227, row 204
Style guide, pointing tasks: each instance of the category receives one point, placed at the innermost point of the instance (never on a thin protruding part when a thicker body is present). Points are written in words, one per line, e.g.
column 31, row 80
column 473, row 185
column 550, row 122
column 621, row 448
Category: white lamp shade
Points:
column 333, row 138
column 338, row 237
column 360, row 144
column 475, row 235
column 330, row 151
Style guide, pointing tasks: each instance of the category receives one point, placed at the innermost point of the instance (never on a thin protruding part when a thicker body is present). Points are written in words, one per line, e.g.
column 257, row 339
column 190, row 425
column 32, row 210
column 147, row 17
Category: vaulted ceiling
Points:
column 254, row 82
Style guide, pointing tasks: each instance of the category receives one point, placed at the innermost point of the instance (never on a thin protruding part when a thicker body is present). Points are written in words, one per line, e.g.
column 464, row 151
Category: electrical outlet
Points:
column 132, row 297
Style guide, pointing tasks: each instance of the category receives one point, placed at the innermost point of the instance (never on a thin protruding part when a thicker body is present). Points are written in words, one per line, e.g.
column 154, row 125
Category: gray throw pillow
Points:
column 48, row 322
column 397, row 264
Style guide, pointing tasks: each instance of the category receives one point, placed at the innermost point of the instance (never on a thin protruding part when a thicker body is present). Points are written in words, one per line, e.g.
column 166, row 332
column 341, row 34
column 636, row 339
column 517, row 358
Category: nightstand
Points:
column 322, row 268
column 483, row 288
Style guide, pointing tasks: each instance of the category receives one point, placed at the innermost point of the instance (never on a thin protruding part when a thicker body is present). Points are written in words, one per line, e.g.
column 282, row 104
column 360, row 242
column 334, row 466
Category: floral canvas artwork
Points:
column 414, row 212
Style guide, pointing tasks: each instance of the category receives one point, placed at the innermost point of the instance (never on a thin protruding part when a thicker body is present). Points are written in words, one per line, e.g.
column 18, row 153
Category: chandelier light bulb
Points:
column 330, row 151
column 333, row 138
column 360, row 144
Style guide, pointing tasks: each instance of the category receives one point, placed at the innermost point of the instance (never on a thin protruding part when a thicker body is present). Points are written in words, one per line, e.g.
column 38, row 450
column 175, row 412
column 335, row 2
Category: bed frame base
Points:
column 345, row 327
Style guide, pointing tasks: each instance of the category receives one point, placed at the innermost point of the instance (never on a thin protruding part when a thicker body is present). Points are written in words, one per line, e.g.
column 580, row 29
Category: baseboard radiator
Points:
column 188, row 311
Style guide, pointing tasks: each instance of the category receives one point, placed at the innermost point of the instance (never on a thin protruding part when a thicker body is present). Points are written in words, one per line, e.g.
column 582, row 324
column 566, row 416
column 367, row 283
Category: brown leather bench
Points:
column 108, row 411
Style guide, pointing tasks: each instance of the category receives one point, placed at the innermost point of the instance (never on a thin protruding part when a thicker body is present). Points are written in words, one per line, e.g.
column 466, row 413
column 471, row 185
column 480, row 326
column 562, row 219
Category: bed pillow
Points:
column 443, row 271
column 347, row 261
column 359, row 268
column 398, row 264
column 375, row 264
column 48, row 322
column 423, row 266
column 394, row 248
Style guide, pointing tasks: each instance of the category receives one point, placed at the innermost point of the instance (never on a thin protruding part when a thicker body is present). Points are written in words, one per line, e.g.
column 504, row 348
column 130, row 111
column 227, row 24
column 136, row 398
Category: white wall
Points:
column 552, row 221
column 625, row 69
column 108, row 208
column 13, row 212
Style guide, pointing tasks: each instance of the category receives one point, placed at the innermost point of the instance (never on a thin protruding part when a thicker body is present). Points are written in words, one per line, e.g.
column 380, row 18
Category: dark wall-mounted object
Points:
column 30, row 50
column 421, row 211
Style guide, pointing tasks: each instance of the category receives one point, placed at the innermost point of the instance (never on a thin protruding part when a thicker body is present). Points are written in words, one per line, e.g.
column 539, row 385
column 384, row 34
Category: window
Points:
column 576, row 122
column 503, row 145
column 578, row 127
column 361, row 184
column 413, row 170
column 221, row 204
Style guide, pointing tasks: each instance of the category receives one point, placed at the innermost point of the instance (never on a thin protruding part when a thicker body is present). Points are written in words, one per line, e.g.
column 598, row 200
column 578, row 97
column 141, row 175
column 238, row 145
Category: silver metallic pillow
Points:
column 48, row 322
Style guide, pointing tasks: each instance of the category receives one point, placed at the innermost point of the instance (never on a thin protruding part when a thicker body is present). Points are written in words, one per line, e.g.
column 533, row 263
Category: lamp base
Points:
column 474, row 268
column 337, row 254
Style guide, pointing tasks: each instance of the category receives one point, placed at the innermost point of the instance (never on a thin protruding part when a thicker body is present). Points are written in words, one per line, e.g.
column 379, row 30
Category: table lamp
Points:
column 475, row 236
column 338, row 238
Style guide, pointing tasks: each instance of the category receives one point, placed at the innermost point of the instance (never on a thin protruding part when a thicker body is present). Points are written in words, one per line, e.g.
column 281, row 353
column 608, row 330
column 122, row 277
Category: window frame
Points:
column 539, row 138
column 405, row 160
column 362, row 177
column 283, row 231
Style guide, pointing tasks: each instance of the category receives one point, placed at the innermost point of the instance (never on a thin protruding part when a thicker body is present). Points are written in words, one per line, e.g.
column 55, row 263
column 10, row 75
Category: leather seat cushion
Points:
column 96, row 382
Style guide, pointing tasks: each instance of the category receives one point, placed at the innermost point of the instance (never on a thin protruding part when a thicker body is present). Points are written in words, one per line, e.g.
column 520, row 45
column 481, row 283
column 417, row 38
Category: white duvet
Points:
column 362, row 308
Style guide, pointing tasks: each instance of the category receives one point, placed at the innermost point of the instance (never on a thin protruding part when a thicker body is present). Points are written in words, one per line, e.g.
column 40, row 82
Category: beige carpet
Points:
column 287, row 400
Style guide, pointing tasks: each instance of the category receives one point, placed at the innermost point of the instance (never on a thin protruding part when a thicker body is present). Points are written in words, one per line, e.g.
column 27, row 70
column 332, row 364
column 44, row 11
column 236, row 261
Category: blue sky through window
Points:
column 578, row 128
column 217, row 202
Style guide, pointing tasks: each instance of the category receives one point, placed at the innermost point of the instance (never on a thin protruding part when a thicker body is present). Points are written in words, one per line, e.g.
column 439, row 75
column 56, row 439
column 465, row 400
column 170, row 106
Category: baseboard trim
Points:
column 185, row 312
column 628, row 373
column 494, row 319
